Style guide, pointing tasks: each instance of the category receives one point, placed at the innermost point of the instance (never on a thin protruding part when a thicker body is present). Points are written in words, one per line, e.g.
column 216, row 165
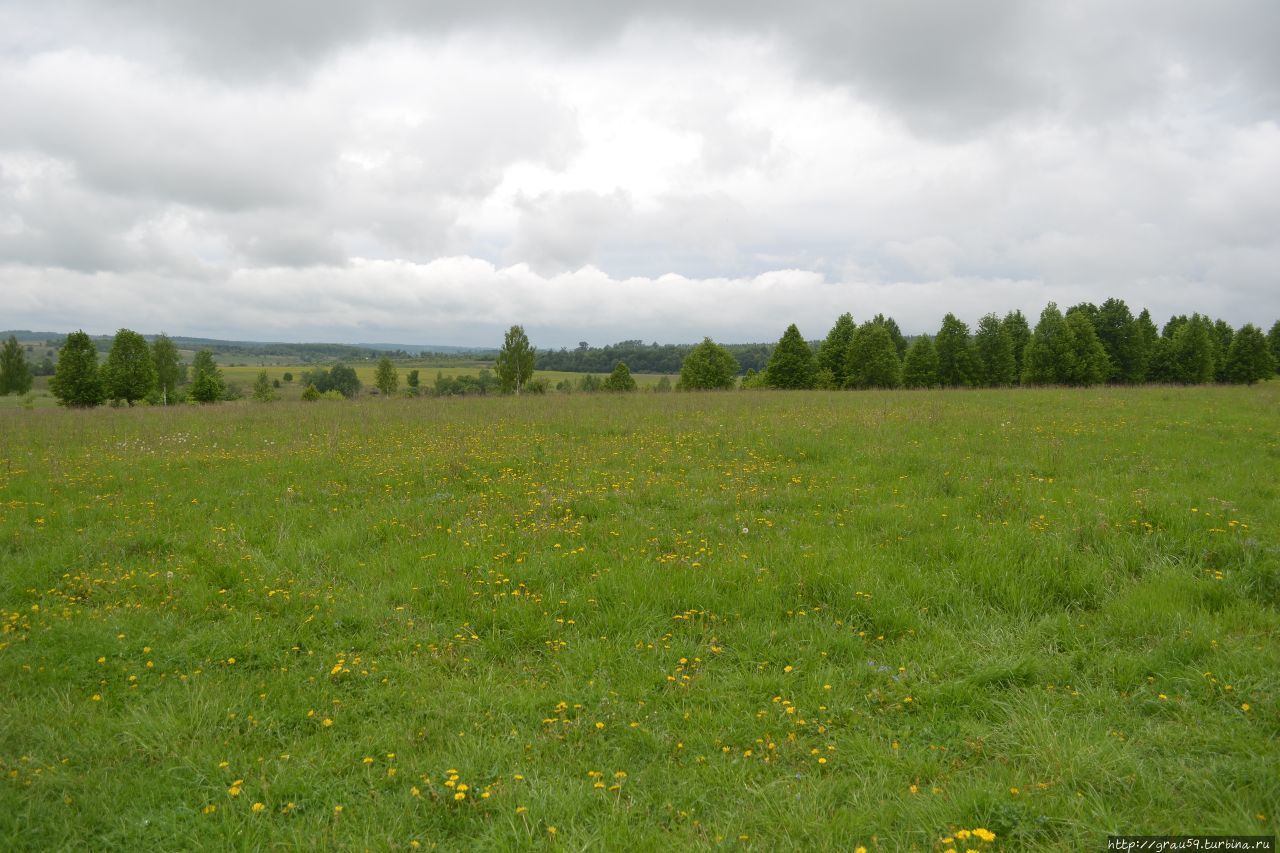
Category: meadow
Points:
column 895, row 620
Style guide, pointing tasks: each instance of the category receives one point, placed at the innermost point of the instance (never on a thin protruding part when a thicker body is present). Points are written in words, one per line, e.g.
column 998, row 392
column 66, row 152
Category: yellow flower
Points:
column 234, row 790
column 327, row 722
column 985, row 834
column 1014, row 792
column 231, row 660
column 259, row 807
column 337, row 810
column 414, row 792
column 521, row 809
column 551, row 830
column 459, row 796
column 1244, row 707
column 209, row 809
column 367, row 760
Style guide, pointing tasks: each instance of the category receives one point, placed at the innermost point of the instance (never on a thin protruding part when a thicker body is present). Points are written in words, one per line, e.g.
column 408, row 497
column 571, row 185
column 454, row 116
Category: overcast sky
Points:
column 434, row 172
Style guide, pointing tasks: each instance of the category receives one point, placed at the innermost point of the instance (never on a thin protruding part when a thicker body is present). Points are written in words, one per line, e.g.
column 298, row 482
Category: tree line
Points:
column 1086, row 345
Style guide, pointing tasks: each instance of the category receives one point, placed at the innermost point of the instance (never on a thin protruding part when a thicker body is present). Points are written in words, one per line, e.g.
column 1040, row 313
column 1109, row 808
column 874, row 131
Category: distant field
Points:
column 761, row 620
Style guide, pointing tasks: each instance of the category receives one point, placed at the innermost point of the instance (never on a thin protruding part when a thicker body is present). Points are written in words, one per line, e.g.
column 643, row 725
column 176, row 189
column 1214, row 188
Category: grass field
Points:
column 759, row 619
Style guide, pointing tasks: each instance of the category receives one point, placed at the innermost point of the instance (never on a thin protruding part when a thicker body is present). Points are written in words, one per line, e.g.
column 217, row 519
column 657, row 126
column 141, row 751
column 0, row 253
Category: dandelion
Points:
column 521, row 809
column 337, row 810
column 258, row 807
column 327, row 722
column 414, row 792
column 209, row 809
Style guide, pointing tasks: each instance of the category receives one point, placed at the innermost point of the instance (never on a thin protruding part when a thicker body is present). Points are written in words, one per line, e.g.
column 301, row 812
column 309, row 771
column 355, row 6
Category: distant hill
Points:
column 302, row 352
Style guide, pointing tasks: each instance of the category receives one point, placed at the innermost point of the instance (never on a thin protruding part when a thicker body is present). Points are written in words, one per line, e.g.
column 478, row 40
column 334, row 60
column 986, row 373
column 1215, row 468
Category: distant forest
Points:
column 643, row 358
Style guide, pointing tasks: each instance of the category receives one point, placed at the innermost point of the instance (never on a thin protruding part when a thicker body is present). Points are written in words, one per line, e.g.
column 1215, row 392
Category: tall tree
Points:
column 1146, row 340
column 1273, row 341
column 1015, row 323
column 1189, row 352
column 874, row 358
column 129, row 373
column 1249, row 358
column 76, row 382
column 207, row 385
column 791, row 365
column 386, row 377
column 514, row 365
column 1222, row 335
column 15, row 373
column 994, row 351
column 955, row 353
column 164, row 355
column 920, row 370
column 1118, row 332
column 1049, row 358
column 833, row 352
column 1089, row 363
column 708, row 366
column 620, row 379
column 891, row 326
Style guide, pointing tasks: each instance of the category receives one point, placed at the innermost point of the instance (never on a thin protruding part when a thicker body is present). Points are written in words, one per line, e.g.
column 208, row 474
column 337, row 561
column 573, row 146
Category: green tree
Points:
column 663, row 386
column 873, row 358
column 1089, row 363
column 76, row 382
column 708, row 366
column 833, row 352
column 1118, row 332
column 1222, row 335
column 343, row 379
column 590, row 383
column 895, row 334
column 206, row 379
column 1190, row 352
column 1249, row 358
column 1146, row 340
column 386, row 378
column 620, row 379
column 129, row 373
column 1273, row 341
column 956, row 366
column 514, row 365
column 1015, row 323
column 412, row 379
column 1049, row 358
column 262, row 390
column 791, row 365
column 994, row 353
column 288, row 377
column 311, row 394
column 921, row 367
column 168, row 367
column 15, row 373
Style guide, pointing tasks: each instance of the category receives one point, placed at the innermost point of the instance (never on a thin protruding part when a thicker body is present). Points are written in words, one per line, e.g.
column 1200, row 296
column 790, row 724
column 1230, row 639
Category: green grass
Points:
column 793, row 621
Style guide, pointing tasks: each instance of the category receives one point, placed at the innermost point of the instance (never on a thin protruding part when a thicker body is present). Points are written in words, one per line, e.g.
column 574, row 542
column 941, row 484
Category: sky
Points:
column 357, row 171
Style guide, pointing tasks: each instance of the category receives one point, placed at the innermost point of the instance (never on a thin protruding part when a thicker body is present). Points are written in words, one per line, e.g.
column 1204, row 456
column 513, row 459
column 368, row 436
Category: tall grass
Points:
column 778, row 620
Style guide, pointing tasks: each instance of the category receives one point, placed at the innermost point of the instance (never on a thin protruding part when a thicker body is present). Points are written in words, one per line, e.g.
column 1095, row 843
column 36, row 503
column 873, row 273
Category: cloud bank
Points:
column 436, row 172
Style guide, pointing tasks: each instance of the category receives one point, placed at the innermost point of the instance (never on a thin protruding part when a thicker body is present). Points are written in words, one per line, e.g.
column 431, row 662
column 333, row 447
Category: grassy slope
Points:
column 812, row 620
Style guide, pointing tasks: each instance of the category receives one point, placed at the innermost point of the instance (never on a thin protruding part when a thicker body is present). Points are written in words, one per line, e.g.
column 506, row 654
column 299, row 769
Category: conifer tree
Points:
column 1015, row 323
column 956, row 366
column 1118, row 332
column 895, row 334
column 15, row 373
column 262, row 390
column 921, row 367
column 1146, row 340
column 994, row 353
column 129, row 373
column 1049, row 358
column 620, row 379
column 874, row 358
column 76, row 382
column 1249, row 359
column 833, row 352
column 792, row 365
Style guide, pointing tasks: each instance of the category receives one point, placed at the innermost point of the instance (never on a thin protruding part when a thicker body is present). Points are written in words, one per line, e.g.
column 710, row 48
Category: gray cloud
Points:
column 803, row 159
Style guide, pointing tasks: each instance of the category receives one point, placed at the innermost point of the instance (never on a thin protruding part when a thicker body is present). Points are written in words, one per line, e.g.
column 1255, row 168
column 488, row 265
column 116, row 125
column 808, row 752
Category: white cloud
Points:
column 658, row 170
